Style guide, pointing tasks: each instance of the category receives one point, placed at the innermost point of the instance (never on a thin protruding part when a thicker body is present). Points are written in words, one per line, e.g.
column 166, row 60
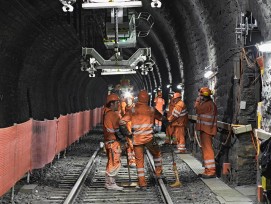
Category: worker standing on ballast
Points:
column 178, row 120
column 112, row 138
column 142, row 120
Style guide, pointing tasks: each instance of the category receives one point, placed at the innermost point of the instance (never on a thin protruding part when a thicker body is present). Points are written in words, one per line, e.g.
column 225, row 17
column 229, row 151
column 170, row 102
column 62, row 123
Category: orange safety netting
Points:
column 86, row 127
column 62, row 133
column 43, row 143
column 23, row 149
column 72, row 128
column 15, row 146
column 51, row 142
column 33, row 144
column 79, row 125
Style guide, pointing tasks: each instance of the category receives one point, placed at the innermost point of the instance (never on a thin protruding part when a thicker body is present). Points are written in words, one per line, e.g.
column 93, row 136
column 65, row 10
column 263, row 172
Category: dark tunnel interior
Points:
column 41, row 48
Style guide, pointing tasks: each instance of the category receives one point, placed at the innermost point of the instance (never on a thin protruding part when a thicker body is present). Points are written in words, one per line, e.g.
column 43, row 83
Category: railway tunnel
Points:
column 59, row 60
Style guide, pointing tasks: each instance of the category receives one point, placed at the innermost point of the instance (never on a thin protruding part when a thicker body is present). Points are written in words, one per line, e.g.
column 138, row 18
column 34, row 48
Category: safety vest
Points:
column 110, row 124
column 206, row 117
column 179, row 116
column 142, row 118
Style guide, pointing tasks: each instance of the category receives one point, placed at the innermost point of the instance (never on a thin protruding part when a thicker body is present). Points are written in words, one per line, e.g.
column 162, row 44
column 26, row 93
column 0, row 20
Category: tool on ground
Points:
column 174, row 168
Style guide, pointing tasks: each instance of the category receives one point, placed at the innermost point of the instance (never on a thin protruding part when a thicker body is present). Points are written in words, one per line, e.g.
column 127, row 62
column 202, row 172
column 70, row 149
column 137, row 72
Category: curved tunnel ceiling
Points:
column 41, row 52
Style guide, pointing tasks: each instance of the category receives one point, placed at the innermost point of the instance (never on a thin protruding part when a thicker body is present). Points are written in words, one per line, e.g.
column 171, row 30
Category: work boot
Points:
column 208, row 173
column 110, row 184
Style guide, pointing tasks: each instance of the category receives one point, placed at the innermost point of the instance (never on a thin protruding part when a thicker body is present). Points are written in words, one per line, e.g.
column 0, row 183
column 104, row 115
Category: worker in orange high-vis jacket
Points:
column 159, row 104
column 142, row 119
column 129, row 143
column 170, row 137
column 178, row 120
column 112, row 138
column 206, row 111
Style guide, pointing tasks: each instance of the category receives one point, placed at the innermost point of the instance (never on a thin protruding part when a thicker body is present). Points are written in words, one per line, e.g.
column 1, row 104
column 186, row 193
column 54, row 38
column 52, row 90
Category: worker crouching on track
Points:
column 112, row 138
column 142, row 120
column 178, row 120
column 206, row 111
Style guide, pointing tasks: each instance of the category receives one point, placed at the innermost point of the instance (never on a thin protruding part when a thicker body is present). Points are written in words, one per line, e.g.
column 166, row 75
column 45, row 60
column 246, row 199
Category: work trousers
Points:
column 170, row 136
column 139, row 155
column 208, row 153
column 130, row 151
column 113, row 152
column 179, row 133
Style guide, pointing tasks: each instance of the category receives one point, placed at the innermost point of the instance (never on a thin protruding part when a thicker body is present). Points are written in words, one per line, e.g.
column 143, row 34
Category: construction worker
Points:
column 206, row 111
column 159, row 103
column 142, row 120
column 112, row 138
column 170, row 138
column 129, row 144
column 178, row 120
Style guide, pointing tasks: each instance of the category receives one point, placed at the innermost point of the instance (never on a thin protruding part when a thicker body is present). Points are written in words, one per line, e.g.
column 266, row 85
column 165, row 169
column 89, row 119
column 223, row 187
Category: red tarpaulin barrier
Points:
column 62, row 133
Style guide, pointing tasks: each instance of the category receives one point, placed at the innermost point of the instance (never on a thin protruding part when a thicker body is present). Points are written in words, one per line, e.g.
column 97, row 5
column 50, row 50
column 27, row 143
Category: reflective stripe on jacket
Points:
column 179, row 116
column 206, row 117
column 111, row 124
column 142, row 118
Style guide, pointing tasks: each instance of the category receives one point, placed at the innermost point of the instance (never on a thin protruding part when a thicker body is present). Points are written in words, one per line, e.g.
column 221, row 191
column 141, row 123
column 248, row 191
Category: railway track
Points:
column 92, row 189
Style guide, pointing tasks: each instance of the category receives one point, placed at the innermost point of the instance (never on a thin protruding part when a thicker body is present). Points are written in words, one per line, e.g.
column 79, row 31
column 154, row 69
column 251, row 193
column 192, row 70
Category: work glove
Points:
column 165, row 121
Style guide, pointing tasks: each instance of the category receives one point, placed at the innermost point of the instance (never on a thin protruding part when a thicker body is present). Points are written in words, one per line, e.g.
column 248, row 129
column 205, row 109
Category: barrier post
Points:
column 64, row 155
column 12, row 195
column 28, row 177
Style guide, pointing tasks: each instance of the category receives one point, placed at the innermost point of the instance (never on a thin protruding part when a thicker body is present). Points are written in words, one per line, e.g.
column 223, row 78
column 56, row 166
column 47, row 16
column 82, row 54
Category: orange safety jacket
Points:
column 206, row 117
column 142, row 119
column 123, row 107
column 111, row 124
column 179, row 115
column 170, row 108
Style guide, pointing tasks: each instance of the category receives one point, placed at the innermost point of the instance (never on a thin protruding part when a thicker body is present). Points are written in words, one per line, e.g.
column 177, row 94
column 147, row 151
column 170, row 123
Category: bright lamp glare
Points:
column 265, row 47
column 127, row 95
column 179, row 86
column 168, row 86
column 208, row 74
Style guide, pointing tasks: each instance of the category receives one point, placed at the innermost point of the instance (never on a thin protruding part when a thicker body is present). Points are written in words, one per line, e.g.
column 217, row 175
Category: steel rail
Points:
column 162, row 186
column 76, row 188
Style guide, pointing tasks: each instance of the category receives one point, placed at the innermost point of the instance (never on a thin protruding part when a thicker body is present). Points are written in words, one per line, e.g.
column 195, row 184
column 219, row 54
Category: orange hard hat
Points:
column 205, row 91
column 177, row 95
column 112, row 97
column 143, row 96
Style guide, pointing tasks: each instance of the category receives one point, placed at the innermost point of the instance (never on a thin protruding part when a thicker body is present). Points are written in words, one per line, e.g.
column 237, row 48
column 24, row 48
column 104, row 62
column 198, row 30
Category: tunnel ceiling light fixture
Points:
column 116, row 4
column 117, row 72
column 264, row 47
column 169, row 85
